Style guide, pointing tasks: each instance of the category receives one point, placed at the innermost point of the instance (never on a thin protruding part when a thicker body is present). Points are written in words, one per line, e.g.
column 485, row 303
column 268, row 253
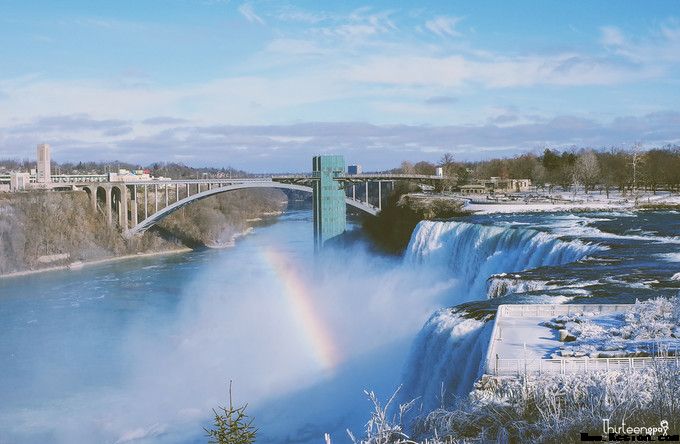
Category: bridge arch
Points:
column 161, row 214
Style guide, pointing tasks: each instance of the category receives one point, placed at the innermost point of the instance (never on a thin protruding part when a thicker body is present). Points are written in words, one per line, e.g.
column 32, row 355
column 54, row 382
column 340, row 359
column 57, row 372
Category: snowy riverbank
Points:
column 558, row 202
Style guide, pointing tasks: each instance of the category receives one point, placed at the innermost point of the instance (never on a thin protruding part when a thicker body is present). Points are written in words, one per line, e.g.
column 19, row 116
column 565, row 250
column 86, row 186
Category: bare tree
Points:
column 449, row 168
column 636, row 162
column 407, row 167
column 587, row 170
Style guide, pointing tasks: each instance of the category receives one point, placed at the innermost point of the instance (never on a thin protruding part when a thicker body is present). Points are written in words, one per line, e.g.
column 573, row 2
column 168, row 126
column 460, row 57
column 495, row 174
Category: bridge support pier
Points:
column 133, row 206
column 328, row 196
column 108, row 204
column 93, row 198
column 123, row 208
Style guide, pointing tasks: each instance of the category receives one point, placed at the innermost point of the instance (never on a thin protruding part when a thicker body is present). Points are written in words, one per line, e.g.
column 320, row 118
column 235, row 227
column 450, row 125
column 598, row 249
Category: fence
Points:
column 505, row 366
column 517, row 366
column 552, row 310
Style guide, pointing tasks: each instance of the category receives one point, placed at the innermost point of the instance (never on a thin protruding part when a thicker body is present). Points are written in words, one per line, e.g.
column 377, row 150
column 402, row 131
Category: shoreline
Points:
column 503, row 208
column 585, row 203
column 84, row 264
column 78, row 265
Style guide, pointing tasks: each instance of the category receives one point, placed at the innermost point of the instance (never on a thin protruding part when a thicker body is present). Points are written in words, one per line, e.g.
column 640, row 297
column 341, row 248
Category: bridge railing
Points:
column 388, row 176
column 194, row 181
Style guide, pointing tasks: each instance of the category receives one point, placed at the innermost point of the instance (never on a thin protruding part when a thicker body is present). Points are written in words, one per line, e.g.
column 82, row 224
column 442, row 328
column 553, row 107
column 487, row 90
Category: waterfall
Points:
column 474, row 252
column 504, row 284
column 446, row 358
column 447, row 355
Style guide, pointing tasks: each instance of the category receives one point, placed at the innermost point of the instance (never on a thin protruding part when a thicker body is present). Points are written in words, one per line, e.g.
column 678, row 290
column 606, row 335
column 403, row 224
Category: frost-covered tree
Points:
column 382, row 428
column 587, row 170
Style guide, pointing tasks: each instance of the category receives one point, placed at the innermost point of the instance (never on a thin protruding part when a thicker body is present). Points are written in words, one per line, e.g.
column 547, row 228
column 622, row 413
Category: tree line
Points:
column 624, row 170
column 615, row 168
column 165, row 169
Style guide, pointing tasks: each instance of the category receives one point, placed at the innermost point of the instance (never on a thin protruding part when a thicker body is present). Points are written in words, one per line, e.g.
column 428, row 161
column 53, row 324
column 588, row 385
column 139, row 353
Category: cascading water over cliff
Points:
column 474, row 252
column 447, row 354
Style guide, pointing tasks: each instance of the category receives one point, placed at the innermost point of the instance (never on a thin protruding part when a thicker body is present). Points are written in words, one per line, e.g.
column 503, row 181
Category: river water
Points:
column 142, row 350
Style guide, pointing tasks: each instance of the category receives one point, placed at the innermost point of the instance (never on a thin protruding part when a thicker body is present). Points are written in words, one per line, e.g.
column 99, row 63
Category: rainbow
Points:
column 302, row 304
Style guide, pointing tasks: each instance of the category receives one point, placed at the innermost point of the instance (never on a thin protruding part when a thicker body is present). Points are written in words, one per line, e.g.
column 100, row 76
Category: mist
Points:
column 235, row 321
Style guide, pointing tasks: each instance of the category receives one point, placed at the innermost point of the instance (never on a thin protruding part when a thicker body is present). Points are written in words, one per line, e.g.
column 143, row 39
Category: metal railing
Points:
column 514, row 366
column 552, row 310
column 508, row 367
column 390, row 176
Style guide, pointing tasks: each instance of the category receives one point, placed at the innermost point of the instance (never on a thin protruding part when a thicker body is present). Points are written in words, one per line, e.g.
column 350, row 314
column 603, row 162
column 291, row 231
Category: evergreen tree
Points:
column 231, row 425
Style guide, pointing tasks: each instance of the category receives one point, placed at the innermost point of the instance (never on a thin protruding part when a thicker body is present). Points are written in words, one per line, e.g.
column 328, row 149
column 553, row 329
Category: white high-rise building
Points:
column 44, row 164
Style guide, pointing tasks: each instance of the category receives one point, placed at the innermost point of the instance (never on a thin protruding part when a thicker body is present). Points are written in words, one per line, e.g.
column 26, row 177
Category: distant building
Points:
column 44, row 164
column 354, row 169
column 19, row 181
column 496, row 184
column 473, row 189
column 521, row 184
column 506, row 185
column 124, row 175
column 439, row 172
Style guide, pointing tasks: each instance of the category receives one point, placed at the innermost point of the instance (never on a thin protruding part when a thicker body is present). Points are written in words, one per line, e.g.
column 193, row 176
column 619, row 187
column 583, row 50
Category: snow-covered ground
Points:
column 523, row 338
column 579, row 201
column 646, row 329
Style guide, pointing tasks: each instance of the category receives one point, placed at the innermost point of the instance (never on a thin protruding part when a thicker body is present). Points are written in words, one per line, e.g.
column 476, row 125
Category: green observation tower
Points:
column 330, row 214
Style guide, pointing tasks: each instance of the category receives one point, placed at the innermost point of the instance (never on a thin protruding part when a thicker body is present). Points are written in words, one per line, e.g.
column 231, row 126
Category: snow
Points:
column 567, row 202
column 524, row 337
column 643, row 330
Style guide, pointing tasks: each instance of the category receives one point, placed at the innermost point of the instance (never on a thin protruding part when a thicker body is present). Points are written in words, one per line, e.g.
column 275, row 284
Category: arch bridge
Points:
column 137, row 206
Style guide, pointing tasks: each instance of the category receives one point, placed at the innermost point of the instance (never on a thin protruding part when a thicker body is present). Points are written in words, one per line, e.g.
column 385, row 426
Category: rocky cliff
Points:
column 42, row 229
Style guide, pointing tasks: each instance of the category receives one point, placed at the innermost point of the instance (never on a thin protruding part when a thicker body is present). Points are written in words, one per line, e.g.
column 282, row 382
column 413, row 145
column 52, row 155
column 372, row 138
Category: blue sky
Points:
column 264, row 85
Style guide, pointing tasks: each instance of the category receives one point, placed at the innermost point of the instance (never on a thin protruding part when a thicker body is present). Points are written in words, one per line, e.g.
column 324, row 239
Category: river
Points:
column 142, row 350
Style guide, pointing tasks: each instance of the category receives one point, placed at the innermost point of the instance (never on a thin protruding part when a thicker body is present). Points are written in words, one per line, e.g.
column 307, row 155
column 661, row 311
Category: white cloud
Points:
column 444, row 26
column 242, row 100
column 290, row 14
column 358, row 66
column 496, row 72
column 261, row 148
column 297, row 47
column 246, row 9
column 662, row 46
column 360, row 24
column 611, row 36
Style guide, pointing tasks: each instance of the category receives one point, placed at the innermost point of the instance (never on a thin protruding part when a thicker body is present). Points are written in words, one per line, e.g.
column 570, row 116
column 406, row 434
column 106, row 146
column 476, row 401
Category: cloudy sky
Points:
column 264, row 85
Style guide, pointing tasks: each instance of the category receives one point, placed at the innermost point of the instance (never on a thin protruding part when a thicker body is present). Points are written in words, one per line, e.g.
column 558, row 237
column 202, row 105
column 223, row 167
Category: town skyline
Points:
column 263, row 86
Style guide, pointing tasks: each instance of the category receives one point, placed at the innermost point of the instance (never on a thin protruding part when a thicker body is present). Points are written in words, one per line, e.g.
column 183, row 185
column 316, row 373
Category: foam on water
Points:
column 579, row 226
column 670, row 257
